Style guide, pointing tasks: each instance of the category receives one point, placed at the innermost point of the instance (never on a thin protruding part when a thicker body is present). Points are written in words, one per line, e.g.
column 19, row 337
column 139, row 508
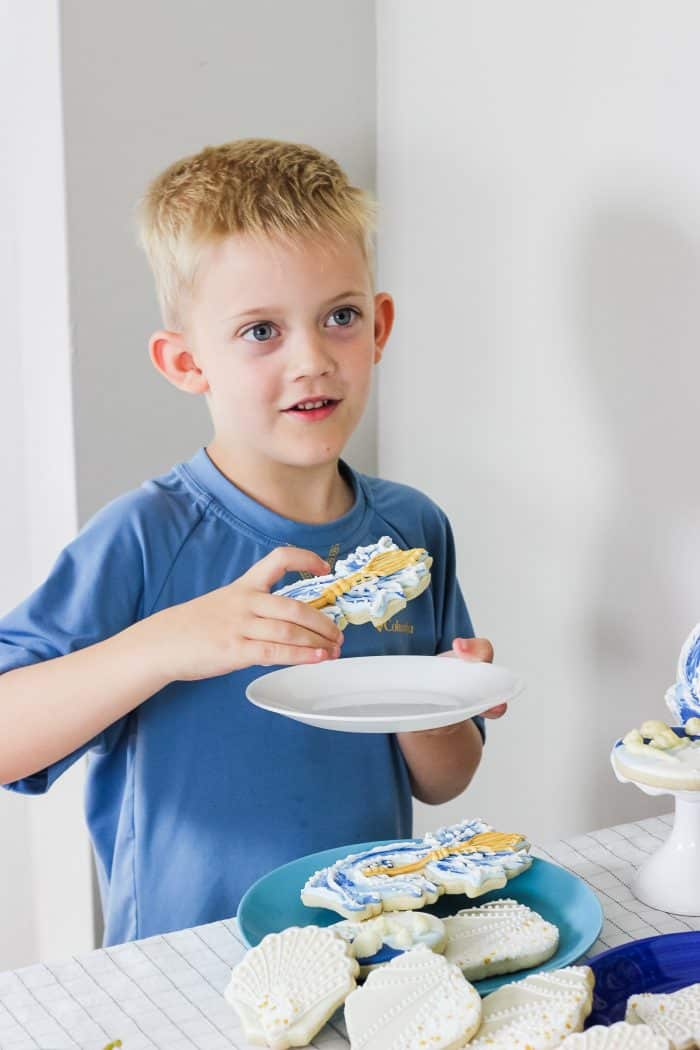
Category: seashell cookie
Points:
column 469, row 858
column 398, row 931
column 675, row 1015
column 620, row 1036
column 538, row 1012
column 499, row 937
column 371, row 585
column 287, row 987
column 416, row 1000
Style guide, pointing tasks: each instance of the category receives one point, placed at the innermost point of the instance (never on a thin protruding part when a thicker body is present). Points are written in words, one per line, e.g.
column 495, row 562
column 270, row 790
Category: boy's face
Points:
column 272, row 328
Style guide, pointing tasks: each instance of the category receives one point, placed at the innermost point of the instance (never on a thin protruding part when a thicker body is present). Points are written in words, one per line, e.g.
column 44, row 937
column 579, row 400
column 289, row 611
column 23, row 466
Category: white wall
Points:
column 540, row 177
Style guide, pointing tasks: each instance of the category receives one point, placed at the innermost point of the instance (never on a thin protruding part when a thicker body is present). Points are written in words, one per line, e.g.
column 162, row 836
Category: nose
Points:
column 309, row 356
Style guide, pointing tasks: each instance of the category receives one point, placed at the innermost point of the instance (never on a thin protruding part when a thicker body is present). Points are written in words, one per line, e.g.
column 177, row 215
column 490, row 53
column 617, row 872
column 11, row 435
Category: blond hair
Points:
column 249, row 186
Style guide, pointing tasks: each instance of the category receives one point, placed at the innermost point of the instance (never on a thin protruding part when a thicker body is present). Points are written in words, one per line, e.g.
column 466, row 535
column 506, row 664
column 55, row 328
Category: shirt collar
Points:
column 266, row 522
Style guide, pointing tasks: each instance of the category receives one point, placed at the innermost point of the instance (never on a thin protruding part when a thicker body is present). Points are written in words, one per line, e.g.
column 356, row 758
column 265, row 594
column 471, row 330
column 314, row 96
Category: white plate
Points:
column 384, row 694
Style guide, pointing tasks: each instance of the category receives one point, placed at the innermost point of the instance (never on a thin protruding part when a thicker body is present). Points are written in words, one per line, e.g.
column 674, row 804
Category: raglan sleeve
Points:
column 453, row 619
column 93, row 591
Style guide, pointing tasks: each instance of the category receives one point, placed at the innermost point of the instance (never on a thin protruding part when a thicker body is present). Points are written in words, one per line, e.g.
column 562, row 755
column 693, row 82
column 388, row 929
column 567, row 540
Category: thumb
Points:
column 274, row 565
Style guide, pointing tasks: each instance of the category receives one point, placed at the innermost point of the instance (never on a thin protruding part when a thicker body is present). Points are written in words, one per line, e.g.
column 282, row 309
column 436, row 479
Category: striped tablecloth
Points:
column 166, row 992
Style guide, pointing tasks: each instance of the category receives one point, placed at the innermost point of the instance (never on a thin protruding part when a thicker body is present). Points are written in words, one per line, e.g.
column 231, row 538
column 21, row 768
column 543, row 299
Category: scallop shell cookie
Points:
column 470, row 858
column 620, row 1036
column 417, row 1000
column 499, row 937
column 676, row 1016
column 287, row 987
column 369, row 586
column 538, row 1012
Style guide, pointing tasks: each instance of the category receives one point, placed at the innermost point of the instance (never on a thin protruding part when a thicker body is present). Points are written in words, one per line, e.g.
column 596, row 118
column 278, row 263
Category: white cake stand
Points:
column 670, row 879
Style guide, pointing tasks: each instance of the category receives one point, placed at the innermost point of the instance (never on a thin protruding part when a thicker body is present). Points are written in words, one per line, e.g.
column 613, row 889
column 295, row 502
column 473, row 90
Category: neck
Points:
column 311, row 495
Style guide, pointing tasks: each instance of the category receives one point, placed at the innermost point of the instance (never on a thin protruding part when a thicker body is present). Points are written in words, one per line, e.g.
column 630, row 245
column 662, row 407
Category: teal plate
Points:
column 273, row 903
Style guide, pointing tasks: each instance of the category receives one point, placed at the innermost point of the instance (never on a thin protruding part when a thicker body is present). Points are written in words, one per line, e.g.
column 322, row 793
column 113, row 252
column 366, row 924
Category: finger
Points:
column 474, row 649
column 276, row 607
column 270, row 654
column 495, row 712
column 282, row 632
column 274, row 565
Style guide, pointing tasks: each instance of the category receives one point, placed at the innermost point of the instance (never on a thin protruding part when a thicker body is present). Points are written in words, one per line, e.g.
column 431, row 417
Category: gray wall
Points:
column 143, row 85
column 539, row 169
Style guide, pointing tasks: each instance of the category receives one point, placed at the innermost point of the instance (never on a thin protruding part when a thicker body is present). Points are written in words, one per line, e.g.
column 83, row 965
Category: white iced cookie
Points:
column 417, row 1000
column 657, row 756
column 675, row 1015
column 620, row 1036
column 498, row 937
column 469, row 858
column 538, row 1012
column 400, row 931
column 287, row 987
column 369, row 586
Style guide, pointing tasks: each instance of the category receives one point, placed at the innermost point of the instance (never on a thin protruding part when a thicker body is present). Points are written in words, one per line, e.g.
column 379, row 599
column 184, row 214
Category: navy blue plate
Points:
column 656, row 964
column 274, row 902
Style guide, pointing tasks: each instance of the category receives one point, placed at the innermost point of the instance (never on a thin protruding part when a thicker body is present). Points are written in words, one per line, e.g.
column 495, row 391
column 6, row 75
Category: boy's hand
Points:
column 477, row 649
column 242, row 624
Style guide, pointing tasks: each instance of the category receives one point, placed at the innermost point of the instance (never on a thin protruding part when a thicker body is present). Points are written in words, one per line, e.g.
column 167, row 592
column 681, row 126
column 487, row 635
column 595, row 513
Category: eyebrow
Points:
column 263, row 311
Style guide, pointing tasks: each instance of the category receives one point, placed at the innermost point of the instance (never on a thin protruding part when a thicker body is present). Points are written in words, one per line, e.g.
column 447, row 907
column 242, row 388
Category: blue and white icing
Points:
column 683, row 698
column 345, row 887
column 373, row 600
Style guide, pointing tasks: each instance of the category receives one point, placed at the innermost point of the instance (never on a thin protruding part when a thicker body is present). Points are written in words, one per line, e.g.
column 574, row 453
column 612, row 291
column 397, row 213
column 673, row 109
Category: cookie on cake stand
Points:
column 665, row 760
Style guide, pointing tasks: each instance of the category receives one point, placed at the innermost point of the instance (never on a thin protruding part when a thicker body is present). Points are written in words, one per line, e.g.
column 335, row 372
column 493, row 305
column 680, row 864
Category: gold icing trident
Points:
column 484, row 842
column 380, row 565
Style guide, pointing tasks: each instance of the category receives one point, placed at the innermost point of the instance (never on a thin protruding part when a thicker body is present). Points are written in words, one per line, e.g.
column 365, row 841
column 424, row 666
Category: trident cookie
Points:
column 498, row 937
column 369, row 586
column 416, row 1000
column 287, row 987
column 469, row 858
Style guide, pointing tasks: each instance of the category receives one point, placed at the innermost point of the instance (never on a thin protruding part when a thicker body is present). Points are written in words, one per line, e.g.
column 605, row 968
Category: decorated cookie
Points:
column 683, row 698
column 499, row 937
column 538, row 1012
column 377, row 940
column 660, row 755
column 676, row 1016
column 469, row 858
column 287, row 987
column 371, row 585
column 620, row 1036
column 417, row 1000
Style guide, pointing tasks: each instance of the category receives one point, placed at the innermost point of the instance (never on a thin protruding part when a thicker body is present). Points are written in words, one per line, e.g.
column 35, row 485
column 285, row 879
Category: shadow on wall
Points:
column 638, row 277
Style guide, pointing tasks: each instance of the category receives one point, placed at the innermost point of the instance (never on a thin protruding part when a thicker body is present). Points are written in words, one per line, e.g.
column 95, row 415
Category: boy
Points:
column 139, row 646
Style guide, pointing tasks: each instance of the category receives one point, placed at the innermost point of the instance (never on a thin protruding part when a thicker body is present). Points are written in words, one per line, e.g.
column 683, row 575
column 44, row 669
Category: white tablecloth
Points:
column 166, row 992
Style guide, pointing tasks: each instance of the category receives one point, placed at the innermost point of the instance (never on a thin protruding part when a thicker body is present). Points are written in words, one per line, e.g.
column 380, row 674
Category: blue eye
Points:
column 261, row 333
column 344, row 316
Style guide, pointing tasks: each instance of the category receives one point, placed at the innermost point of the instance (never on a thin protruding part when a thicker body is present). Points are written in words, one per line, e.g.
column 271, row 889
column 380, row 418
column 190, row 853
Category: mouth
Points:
column 313, row 409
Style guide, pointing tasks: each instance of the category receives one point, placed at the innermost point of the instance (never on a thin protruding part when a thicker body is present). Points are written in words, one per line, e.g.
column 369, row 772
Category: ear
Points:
column 172, row 358
column 383, row 323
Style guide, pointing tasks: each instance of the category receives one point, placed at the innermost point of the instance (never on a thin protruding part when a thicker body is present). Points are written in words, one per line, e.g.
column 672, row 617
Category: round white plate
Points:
column 384, row 694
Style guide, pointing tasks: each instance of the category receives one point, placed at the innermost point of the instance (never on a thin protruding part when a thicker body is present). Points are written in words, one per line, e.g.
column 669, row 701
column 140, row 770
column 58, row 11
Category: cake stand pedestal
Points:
column 670, row 879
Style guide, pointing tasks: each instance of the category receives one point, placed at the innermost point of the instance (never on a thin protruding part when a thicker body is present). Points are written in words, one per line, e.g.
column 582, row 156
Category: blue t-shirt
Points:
column 197, row 793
